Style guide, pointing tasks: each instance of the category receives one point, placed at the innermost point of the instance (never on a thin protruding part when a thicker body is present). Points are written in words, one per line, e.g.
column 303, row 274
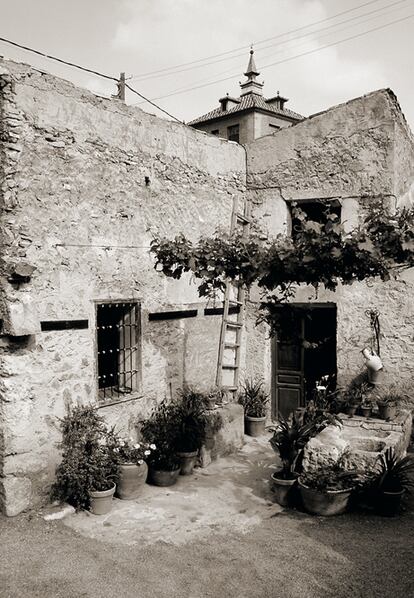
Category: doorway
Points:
column 303, row 351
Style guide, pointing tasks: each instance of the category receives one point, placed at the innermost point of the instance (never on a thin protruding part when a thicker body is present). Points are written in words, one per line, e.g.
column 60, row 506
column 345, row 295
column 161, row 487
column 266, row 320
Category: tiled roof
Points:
column 247, row 101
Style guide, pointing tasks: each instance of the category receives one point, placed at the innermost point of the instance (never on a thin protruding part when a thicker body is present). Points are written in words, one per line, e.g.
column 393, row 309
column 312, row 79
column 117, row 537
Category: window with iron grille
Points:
column 118, row 346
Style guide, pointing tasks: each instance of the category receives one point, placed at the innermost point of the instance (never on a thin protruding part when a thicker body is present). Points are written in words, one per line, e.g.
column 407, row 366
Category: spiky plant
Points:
column 395, row 474
column 288, row 441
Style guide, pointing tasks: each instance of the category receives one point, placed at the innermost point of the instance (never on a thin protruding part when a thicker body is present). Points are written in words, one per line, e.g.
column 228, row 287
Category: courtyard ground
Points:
column 215, row 534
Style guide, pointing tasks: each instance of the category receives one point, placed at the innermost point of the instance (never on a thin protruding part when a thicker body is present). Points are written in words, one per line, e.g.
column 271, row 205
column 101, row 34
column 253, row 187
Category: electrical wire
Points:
column 290, row 58
column 87, row 70
column 377, row 12
column 226, row 71
column 258, row 42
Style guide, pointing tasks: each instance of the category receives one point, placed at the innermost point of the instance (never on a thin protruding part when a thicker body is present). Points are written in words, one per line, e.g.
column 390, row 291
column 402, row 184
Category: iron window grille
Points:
column 118, row 347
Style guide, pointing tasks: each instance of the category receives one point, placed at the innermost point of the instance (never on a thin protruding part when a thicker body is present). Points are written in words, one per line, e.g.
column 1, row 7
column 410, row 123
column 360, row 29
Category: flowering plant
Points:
column 129, row 450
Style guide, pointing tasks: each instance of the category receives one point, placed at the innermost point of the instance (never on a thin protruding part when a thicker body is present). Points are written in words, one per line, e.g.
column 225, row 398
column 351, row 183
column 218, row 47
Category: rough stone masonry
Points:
column 87, row 182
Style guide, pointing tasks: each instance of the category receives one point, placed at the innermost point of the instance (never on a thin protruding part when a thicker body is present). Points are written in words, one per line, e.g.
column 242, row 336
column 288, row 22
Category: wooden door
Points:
column 288, row 373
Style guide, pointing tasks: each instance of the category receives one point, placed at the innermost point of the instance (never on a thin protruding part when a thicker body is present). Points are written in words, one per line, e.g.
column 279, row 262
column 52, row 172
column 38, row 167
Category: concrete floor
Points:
column 232, row 494
column 216, row 534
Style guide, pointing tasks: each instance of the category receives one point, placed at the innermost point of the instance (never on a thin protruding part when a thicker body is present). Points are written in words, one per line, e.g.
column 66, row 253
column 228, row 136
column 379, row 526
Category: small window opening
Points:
column 215, row 132
column 147, row 181
column 118, row 336
column 233, row 133
column 316, row 211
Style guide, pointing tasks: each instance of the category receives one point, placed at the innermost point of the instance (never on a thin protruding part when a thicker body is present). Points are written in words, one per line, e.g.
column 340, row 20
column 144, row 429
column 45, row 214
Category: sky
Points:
column 204, row 44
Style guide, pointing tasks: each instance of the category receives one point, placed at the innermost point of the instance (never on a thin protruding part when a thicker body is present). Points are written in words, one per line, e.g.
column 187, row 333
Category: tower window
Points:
column 233, row 133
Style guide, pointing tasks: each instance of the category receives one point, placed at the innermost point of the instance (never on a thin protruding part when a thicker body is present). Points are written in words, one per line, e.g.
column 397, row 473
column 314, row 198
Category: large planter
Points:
column 389, row 503
column 282, row 489
column 132, row 478
column 187, row 462
column 387, row 411
column 328, row 503
column 101, row 502
column 254, row 426
column 160, row 477
column 351, row 410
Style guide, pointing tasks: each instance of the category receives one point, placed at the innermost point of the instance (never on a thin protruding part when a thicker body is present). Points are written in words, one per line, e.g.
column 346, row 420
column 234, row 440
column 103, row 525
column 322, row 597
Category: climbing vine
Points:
column 322, row 254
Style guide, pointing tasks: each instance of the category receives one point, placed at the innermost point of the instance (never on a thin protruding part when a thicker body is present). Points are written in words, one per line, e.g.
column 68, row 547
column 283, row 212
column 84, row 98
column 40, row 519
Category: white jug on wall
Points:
column 374, row 365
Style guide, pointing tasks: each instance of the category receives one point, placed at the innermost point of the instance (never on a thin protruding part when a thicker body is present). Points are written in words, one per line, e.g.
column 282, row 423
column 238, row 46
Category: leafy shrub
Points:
column 288, row 441
column 394, row 474
column 192, row 420
column 87, row 462
column 254, row 398
column 161, row 429
column 331, row 478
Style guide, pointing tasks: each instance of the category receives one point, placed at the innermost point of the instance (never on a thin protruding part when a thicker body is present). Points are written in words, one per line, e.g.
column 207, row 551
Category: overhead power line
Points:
column 290, row 58
column 256, row 43
column 211, row 78
column 87, row 70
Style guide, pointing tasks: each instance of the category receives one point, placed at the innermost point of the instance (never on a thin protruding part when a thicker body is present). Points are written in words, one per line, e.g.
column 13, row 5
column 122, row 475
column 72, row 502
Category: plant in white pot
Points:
column 86, row 476
column 133, row 469
column 254, row 399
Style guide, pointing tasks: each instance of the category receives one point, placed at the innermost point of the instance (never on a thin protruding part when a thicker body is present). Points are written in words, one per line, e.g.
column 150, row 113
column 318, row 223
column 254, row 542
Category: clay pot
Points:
column 282, row 489
column 188, row 461
column 254, row 426
column 389, row 503
column 327, row 504
column 351, row 410
column 387, row 411
column 366, row 411
column 101, row 501
column 132, row 477
column 159, row 477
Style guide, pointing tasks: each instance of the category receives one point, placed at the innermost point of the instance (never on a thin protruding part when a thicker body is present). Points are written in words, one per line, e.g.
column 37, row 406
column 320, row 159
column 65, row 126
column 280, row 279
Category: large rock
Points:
column 16, row 494
column 325, row 449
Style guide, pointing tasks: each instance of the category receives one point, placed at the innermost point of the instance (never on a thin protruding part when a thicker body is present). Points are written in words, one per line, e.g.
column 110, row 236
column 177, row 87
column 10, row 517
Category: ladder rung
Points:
column 229, row 366
column 235, row 302
column 243, row 218
column 234, row 324
column 230, row 387
column 232, row 345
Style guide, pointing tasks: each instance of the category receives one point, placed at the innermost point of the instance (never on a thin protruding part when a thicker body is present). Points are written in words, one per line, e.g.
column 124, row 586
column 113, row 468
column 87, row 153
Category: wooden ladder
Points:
column 228, row 362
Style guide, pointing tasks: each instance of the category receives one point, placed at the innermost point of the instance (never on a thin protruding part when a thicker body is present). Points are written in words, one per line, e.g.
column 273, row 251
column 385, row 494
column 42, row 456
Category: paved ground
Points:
column 216, row 534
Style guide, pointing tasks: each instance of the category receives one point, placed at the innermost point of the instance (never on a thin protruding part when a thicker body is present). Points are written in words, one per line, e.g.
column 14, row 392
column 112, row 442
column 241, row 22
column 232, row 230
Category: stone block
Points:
column 16, row 494
column 21, row 318
column 229, row 438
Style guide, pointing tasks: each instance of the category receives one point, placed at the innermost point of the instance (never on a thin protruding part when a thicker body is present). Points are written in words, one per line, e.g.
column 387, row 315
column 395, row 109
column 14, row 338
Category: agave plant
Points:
column 254, row 398
column 395, row 474
column 288, row 440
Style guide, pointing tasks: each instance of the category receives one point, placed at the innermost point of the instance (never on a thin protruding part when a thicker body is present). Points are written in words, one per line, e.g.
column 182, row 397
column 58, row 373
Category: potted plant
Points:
column 160, row 429
column 288, row 440
column 388, row 405
column 327, row 491
column 395, row 476
column 254, row 399
column 354, row 396
column 191, row 417
column 133, row 469
column 366, row 407
column 86, row 476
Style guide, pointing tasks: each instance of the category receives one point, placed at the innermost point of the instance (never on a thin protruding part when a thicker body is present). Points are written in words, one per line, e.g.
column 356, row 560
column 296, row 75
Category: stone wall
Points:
column 86, row 184
column 353, row 153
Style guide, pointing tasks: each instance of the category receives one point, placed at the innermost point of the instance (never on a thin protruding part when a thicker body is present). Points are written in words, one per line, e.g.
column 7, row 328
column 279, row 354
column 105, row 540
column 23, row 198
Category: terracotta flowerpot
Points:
column 132, row 477
column 389, row 503
column 282, row 489
column 387, row 411
column 331, row 502
column 351, row 410
column 159, row 477
column 254, row 426
column 366, row 411
column 188, row 461
column 101, row 501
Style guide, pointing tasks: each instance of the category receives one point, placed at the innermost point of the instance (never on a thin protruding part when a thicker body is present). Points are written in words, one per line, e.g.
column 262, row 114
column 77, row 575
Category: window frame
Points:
column 238, row 132
column 334, row 203
column 119, row 397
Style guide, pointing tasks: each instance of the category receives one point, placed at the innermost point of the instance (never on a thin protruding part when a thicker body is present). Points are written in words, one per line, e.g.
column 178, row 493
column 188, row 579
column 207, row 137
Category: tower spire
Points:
column 251, row 85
